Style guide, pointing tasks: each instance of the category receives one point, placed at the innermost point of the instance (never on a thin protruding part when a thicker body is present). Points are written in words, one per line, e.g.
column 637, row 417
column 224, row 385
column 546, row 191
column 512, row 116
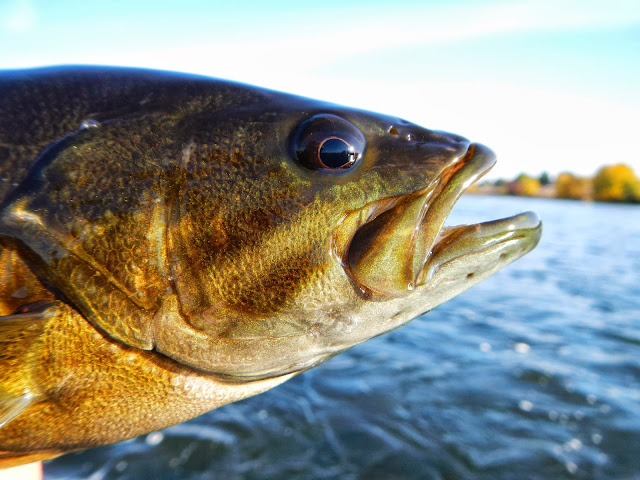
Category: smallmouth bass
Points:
column 172, row 243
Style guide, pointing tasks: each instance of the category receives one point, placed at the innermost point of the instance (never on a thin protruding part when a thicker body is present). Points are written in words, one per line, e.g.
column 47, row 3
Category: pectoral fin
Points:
column 19, row 334
column 13, row 405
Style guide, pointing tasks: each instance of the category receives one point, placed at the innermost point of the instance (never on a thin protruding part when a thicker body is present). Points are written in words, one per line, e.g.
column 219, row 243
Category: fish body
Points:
column 171, row 243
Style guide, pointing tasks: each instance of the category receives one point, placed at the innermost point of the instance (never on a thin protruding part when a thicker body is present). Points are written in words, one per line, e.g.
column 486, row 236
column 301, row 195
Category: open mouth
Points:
column 392, row 246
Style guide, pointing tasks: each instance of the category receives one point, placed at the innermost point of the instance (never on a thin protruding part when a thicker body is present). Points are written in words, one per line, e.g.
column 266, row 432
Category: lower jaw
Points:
column 522, row 232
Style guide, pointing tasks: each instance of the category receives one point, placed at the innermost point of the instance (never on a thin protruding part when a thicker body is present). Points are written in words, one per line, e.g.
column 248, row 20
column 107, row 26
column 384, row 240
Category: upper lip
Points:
column 454, row 181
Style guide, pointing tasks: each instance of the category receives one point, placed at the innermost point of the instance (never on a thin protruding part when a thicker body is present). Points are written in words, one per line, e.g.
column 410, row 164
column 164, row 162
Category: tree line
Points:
column 612, row 183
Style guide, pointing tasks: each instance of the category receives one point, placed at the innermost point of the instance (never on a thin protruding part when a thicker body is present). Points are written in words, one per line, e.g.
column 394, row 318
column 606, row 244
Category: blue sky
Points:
column 549, row 85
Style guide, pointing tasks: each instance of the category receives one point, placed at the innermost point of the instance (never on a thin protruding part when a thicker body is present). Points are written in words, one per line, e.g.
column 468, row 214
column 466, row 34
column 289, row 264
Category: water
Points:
column 533, row 374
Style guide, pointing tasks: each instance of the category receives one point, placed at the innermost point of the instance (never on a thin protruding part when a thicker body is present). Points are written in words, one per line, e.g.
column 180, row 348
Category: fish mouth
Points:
column 392, row 246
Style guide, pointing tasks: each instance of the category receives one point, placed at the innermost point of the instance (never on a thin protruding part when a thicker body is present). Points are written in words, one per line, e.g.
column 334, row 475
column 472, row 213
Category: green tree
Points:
column 544, row 179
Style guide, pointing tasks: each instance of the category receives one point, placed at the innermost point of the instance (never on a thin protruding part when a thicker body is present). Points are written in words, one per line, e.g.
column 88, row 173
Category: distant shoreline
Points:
column 611, row 184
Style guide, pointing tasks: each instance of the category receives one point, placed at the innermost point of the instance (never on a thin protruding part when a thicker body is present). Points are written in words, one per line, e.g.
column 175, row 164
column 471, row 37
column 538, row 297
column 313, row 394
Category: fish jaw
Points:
column 411, row 264
column 440, row 261
column 443, row 262
column 390, row 252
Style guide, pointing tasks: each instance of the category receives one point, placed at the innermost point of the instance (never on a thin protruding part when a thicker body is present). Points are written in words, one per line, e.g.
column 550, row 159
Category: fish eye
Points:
column 328, row 143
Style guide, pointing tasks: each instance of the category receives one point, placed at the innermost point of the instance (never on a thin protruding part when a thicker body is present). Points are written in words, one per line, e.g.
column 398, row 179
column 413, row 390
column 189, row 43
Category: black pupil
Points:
column 336, row 153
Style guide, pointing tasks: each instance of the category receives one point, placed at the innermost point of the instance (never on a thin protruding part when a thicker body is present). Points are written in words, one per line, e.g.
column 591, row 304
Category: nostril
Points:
column 410, row 137
column 393, row 131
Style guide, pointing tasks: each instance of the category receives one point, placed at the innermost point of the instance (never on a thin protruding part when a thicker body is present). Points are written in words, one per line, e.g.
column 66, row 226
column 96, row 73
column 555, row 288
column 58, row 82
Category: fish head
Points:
column 244, row 232
column 172, row 243
column 316, row 228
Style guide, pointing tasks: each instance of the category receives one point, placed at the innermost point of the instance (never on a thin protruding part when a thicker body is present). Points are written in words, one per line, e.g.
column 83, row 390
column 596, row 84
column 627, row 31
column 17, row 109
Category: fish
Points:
column 171, row 243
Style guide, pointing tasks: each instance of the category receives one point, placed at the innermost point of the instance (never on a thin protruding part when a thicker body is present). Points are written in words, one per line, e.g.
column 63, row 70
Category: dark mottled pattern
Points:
column 102, row 189
column 212, row 157
column 180, row 223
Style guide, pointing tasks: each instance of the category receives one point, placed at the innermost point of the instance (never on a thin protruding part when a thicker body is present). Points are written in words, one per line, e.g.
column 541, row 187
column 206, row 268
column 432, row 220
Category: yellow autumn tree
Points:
column 571, row 186
column 524, row 185
column 616, row 183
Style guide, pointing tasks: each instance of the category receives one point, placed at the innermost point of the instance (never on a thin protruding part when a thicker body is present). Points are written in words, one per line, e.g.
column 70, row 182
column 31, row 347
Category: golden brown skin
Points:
column 87, row 390
column 172, row 243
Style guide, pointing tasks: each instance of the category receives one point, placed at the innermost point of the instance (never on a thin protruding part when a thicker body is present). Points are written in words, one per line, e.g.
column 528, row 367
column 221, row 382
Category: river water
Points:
column 533, row 374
